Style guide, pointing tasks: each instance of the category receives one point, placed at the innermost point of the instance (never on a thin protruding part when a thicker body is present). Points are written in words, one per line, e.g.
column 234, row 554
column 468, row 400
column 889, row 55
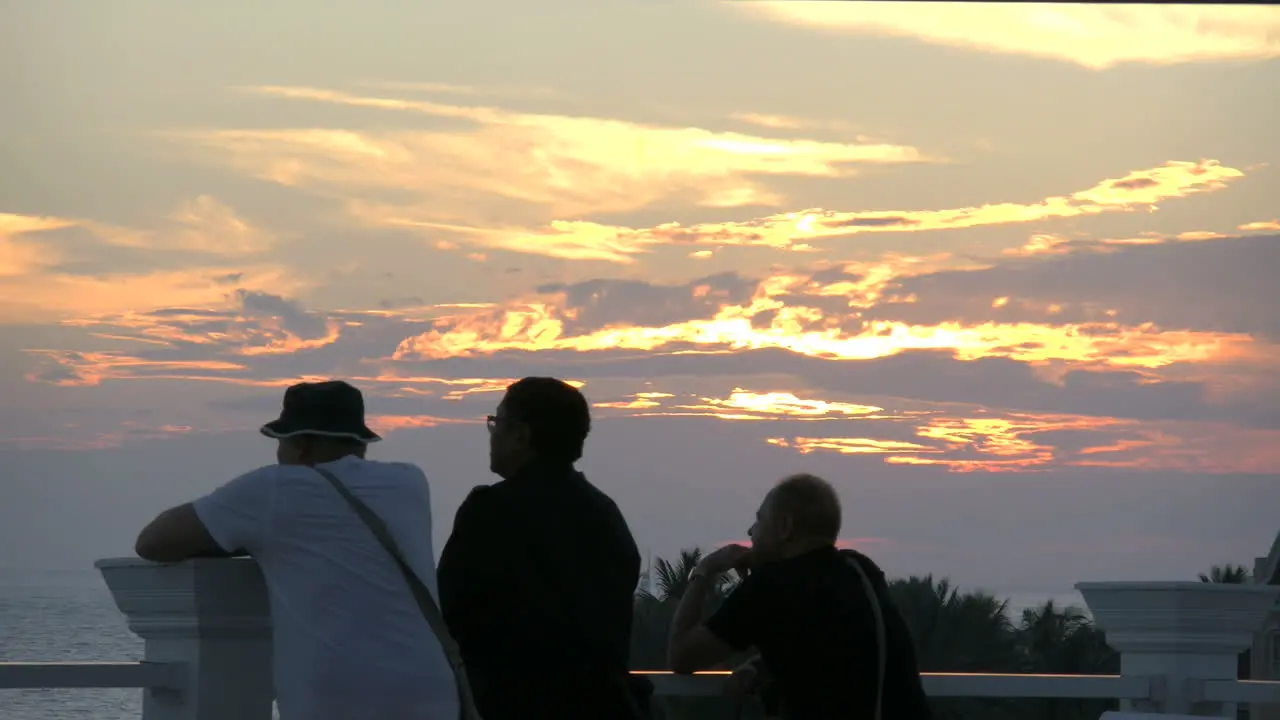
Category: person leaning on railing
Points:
column 349, row 641
column 821, row 617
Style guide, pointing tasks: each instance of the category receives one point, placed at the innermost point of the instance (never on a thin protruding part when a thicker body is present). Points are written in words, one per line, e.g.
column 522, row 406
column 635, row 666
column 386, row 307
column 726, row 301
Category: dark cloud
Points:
column 600, row 303
column 292, row 317
column 400, row 302
column 1217, row 285
column 1135, row 183
column 874, row 222
column 59, row 373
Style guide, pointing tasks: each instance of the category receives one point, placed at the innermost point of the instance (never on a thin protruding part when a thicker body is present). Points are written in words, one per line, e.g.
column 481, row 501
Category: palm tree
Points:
column 954, row 632
column 1230, row 574
column 958, row 632
column 1064, row 640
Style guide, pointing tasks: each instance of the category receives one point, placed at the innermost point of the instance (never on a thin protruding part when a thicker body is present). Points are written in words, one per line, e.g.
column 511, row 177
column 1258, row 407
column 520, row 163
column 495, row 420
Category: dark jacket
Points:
column 537, row 584
column 813, row 623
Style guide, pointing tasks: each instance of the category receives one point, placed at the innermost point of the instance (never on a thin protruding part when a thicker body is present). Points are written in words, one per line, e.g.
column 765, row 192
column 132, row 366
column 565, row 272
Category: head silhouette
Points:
column 801, row 513
column 540, row 419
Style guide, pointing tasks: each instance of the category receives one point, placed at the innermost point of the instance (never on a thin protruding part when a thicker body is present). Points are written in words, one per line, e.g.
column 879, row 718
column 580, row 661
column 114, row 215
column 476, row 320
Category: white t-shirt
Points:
column 350, row 642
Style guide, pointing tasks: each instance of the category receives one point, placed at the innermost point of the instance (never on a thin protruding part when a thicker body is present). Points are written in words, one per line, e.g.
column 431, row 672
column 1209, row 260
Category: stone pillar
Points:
column 211, row 615
column 1180, row 634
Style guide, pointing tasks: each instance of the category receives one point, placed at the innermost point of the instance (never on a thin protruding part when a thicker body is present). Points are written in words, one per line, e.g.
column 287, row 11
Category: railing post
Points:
column 211, row 616
column 1180, row 634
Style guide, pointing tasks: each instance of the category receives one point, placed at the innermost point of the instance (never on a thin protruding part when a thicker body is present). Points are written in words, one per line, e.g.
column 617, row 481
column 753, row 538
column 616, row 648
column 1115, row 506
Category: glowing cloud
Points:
column 38, row 298
column 19, row 256
column 1094, row 36
column 762, row 405
column 778, row 316
column 35, row 288
column 548, row 166
column 1021, row 442
column 1140, row 189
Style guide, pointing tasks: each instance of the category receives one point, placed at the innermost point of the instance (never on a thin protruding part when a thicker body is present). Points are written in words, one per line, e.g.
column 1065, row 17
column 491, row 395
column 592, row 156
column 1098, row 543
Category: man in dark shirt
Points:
column 538, row 579
column 806, row 608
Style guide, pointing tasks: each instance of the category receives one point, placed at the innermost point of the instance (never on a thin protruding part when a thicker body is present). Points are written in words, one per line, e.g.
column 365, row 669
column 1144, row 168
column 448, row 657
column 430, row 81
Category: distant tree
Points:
column 1229, row 574
column 1063, row 640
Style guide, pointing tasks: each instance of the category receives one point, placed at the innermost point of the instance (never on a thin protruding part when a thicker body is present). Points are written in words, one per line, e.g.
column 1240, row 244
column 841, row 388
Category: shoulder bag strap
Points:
column 881, row 640
column 426, row 603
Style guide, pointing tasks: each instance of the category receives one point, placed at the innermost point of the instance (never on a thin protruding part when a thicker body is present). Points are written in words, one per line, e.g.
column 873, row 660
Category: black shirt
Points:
column 537, row 585
column 811, row 619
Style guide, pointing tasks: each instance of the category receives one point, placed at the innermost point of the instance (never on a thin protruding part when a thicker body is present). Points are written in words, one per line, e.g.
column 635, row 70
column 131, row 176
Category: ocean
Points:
column 68, row 616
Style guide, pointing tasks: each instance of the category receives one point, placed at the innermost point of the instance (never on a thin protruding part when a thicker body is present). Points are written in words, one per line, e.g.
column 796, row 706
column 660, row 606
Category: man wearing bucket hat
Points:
column 349, row 639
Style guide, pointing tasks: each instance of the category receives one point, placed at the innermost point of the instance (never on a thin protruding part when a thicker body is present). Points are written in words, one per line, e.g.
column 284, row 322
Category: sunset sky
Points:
column 1003, row 273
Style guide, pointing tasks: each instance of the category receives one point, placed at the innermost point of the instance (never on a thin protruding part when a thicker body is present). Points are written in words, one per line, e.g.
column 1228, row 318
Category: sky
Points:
column 1001, row 273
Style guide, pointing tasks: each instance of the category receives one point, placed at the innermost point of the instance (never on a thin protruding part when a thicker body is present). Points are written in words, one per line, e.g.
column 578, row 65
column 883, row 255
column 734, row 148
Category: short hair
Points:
column 557, row 415
column 811, row 503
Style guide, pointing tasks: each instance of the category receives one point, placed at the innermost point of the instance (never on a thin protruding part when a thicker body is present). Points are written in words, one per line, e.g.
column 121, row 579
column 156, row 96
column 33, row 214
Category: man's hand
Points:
column 729, row 557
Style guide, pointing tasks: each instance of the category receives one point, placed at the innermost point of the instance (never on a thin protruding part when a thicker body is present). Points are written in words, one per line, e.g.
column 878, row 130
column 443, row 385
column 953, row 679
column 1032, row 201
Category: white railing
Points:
column 207, row 648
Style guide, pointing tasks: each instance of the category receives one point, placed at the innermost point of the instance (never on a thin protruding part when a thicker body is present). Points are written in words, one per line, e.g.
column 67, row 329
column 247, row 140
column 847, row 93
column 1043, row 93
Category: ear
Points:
column 785, row 526
column 524, row 434
column 305, row 447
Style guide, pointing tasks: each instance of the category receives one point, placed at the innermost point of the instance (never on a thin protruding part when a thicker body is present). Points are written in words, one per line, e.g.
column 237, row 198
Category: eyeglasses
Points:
column 491, row 422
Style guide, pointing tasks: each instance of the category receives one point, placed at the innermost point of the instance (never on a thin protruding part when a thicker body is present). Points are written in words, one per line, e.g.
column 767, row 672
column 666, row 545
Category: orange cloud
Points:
column 439, row 88
column 1094, row 36
column 967, row 438
column 202, row 225
column 776, row 317
column 34, row 290
column 1024, row 442
column 1043, row 244
column 52, row 297
column 458, row 388
column 851, row 446
column 541, row 169
column 638, row 401
column 68, row 368
column 745, row 405
column 788, row 122
column 232, row 333
column 130, row 432
column 385, row 424
column 1261, row 225
column 20, row 256
column 545, row 166
column 581, row 239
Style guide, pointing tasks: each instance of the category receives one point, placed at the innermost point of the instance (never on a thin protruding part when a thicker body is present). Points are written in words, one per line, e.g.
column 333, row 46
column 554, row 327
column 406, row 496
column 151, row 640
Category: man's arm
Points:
column 177, row 534
column 228, row 522
column 734, row 627
column 691, row 645
column 466, row 562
